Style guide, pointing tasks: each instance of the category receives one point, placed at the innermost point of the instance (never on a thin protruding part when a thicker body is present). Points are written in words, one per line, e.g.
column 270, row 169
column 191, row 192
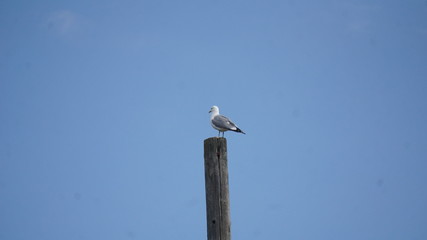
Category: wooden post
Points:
column 216, row 183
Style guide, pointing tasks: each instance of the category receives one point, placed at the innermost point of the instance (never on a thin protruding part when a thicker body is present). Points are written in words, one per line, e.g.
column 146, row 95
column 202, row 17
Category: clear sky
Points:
column 104, row 109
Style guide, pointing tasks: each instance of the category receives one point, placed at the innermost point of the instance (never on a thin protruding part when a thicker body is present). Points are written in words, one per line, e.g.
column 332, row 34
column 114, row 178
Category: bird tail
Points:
column 239, row 130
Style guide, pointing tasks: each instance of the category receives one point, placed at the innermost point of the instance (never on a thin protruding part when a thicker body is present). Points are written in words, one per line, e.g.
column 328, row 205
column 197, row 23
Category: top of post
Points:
column 216, row 139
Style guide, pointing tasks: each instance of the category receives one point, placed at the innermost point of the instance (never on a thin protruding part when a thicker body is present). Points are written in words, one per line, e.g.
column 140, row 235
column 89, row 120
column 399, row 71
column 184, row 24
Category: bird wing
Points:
column 223, row 122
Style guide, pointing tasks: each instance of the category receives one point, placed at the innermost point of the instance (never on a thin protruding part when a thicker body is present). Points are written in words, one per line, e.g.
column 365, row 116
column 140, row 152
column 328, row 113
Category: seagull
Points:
column 222, row 123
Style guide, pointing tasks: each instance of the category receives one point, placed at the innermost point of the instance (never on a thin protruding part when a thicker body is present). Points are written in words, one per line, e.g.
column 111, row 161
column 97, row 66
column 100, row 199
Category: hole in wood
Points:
column 213, row 221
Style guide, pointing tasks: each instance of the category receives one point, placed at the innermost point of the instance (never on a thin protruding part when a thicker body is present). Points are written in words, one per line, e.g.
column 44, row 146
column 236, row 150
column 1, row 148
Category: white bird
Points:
column 222, row 123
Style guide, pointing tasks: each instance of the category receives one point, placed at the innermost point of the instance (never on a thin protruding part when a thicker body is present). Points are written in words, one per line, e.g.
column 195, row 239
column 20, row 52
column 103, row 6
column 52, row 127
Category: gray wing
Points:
column 223, row 122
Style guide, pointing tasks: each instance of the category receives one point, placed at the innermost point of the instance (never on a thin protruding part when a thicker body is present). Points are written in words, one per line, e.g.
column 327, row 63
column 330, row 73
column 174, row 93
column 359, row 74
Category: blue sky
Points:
column 104, row 109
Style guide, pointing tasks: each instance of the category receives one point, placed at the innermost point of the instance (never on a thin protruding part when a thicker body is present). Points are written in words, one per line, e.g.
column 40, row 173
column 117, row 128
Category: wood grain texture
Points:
column 217, row 191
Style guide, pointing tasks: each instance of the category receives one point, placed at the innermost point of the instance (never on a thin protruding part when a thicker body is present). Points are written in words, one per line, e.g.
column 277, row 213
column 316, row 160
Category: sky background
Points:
column 104, row 110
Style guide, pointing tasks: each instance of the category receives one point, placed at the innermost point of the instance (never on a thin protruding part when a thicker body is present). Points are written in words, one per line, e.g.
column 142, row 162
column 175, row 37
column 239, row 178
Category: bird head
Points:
column 214, row 109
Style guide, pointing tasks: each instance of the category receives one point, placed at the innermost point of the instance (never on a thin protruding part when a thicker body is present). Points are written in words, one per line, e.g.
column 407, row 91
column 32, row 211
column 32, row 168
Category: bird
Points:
column 222, row 123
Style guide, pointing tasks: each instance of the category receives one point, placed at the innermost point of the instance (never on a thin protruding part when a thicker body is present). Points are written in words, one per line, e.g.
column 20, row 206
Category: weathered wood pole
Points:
column 216, row 183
